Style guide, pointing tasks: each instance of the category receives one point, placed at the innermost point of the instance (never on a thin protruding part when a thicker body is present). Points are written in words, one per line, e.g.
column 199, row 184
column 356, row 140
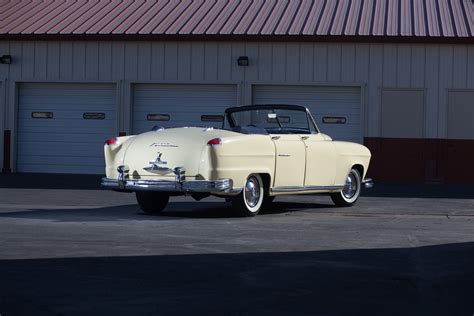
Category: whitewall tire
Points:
column 249, row 201
column 351, row 190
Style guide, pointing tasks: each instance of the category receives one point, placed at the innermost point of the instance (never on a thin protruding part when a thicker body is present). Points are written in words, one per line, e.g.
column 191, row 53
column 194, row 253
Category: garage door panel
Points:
column 55, row 160
column 183, row 103
column 65, row 123
column 322, row 102
column 53, row 168
column 184, row 108
column 60, row 110
column 31, row 150
column 37, row 123
column 57, row 103
column 62, row 120
column 65, row 137
column 44, row 88
column 48, row 129
column 68, row 142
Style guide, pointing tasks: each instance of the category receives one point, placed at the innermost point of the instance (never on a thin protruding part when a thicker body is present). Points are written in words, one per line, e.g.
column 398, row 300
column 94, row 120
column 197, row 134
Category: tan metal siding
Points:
column 470, row 66
column 402, row 113
column 460, row 117
column 417, row 70
column 445, row 77
column 374, row 85
column 432, row 84
column 433, row 67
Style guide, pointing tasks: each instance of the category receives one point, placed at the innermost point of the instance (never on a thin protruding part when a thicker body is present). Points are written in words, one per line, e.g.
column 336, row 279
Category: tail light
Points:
column 112, row 141
column 214, row 142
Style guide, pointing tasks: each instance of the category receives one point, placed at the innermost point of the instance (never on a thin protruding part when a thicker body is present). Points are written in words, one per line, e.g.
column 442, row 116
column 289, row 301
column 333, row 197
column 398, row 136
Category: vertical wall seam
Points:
column 204, row 61
column 271, row 60
column 396, row 65
column 59, row 60
column 286, row 61
column 21, row 64
column 452, row 67
column 327, row 62
column 410, row 63
column 439, row 92
column 340, row 63
column 424, row 65
column 231, row 58
column 218, row 45
column 34, row 59
column 466, row 79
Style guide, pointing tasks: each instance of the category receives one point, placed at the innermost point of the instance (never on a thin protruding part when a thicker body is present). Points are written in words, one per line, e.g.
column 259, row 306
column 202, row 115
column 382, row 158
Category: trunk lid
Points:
column 169, row 148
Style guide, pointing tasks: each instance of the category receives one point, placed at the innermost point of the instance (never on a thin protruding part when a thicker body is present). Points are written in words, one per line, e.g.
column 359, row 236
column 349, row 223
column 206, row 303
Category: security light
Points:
column 243, row 61
column 6, row 59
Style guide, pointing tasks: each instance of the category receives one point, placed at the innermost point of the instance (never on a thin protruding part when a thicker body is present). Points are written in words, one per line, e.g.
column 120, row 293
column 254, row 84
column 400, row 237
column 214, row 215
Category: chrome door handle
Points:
column 275, row 137
column 304, row 137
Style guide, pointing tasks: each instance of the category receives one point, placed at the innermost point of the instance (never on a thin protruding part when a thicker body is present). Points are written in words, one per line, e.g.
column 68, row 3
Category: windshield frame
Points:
column 244, row 108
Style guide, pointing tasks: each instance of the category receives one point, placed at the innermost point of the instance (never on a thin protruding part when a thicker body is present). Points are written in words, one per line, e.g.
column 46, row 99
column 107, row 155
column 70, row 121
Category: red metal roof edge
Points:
column 240, row 38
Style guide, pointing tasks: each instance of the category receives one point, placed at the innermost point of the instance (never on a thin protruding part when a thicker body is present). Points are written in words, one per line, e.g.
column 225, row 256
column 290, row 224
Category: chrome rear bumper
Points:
column 212, row 186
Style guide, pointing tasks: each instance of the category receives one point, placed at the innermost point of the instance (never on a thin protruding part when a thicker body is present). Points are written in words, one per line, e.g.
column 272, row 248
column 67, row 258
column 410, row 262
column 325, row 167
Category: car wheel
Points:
column 249, row 201
column 351, row 190
column 152, row 202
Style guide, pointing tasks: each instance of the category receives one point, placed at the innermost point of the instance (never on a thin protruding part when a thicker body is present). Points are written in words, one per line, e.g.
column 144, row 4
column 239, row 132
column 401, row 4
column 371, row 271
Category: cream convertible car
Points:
column 261, row 152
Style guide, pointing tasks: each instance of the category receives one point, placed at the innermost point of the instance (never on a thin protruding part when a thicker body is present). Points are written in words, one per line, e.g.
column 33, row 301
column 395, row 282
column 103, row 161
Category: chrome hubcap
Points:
column 350, row 188
column 252, row 192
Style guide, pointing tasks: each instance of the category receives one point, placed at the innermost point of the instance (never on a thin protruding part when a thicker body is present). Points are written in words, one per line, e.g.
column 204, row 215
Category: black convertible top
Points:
column 265, row 107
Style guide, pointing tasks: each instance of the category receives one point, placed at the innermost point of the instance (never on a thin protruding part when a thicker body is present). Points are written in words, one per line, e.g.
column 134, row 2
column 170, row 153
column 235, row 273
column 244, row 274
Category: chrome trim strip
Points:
column 307, row 188
column 224, row 185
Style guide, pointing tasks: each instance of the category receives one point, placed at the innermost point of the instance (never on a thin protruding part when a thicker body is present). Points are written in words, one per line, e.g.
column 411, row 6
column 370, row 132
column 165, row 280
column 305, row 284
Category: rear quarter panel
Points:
column 238, row 157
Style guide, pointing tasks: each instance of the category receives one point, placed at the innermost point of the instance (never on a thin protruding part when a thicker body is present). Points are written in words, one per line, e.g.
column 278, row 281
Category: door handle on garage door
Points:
column 304, row 137
column 275, row 137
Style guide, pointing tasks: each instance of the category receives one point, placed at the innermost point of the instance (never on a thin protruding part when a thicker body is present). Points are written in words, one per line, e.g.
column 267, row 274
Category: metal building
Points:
column 397, row 75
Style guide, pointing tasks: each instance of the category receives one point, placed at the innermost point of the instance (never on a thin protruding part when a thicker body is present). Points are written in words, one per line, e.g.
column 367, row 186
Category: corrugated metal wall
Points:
column 433, row 67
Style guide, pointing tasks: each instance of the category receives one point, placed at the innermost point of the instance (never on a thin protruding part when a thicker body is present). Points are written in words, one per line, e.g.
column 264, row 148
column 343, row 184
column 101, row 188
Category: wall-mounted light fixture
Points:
column 6, row 59
column 243, row 61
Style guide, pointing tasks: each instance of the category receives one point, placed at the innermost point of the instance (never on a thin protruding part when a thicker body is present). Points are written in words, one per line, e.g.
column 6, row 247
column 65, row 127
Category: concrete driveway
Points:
column 75, row 250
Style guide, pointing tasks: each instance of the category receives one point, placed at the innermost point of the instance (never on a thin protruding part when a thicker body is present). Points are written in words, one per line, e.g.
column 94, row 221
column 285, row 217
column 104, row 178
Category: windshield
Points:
column 274, row 121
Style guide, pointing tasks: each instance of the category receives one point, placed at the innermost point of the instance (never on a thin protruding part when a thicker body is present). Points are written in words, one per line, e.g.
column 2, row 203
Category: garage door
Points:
column 62, row 127
column 335, row 109
column 180, row 105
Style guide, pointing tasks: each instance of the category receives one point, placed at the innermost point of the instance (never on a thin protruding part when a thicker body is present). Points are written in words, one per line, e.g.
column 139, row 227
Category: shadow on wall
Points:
column 92, row 182
column 433, row 280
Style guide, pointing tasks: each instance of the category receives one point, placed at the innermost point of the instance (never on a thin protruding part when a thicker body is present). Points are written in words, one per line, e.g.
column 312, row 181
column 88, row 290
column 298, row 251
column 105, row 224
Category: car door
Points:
column 321, row 160
column 290, row 155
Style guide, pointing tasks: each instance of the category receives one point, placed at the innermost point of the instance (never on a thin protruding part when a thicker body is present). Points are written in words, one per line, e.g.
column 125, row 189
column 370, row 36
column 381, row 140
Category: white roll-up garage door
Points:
column 62, row 127
column 172, row 105
column 335, row 109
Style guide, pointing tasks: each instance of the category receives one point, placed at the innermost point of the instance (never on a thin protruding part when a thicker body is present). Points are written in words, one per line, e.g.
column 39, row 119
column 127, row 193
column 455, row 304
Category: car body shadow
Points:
column 174, row 210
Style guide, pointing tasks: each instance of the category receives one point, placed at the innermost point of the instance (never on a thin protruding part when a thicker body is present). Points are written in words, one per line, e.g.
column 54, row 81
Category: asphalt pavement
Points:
column 69, row 248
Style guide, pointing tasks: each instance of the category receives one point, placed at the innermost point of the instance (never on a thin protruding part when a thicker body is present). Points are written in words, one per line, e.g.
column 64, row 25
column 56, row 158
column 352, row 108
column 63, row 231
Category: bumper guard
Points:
column 368, row 183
